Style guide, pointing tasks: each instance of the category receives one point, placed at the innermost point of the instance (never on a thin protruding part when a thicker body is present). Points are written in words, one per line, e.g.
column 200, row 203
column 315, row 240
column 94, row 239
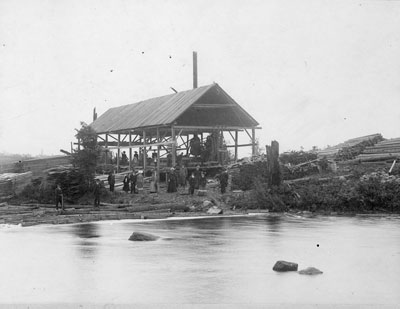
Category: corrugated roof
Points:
column 152, row 112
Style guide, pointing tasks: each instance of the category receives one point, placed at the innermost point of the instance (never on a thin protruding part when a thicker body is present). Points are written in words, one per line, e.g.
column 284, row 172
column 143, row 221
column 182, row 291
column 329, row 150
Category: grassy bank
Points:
column 354, row 190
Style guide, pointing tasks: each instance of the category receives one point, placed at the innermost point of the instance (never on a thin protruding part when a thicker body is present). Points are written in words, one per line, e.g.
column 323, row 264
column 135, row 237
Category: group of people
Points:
column 59, row 196
column 134, row 182
column 138, row 158
column 196, row 180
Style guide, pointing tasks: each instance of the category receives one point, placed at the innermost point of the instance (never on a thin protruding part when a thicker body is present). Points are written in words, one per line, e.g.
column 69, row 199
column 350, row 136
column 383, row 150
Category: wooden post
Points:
column 144, row 153
column 217, row 148
column 130, row 149
column 118, row 153
column 173, row 146
column 187, row 145
column 274, row 178
column 158, row 157
column 106, row 146
column 253, row 141
column 236, row 145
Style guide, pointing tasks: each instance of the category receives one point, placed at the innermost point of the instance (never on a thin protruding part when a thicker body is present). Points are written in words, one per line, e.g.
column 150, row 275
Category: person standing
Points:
column 124, row 159
column 126, row 184
column 96, row 192
column 195, row 146
column 154, row 158
column 153, row 182
column 169, row 159
column 223, row 181
column 183, row 174
column 132, row 179
column 59, row 197
column 135, row 158
column 139, row 181
column 111, row 181
column 192, row 183
column 172, row 181
column 197, row 175
column 202, row 181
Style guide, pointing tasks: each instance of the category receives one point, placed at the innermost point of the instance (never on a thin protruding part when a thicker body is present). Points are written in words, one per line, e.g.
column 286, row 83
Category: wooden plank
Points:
column 143, row 145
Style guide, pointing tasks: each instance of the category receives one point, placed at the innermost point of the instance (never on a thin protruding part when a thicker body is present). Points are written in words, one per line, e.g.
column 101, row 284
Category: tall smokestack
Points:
column 194, row 69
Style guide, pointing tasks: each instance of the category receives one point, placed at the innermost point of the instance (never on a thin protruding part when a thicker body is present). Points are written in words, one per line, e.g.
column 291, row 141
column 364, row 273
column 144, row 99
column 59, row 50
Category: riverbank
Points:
column 327, row 194
column 39, row 214
column 119, row 206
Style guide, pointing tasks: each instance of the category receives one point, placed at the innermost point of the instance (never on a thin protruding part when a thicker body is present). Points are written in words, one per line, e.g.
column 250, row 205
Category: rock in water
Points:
column 215, row 211
column 285, row 266
column 136, row 236
column 207, row 203
column 310, row 271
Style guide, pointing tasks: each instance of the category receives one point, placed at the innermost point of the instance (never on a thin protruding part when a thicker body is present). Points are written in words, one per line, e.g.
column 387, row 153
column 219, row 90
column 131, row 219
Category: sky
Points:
column 312, row 73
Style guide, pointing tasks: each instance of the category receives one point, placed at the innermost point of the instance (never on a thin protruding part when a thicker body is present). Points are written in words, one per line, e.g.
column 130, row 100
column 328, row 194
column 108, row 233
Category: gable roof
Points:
column 177, row 108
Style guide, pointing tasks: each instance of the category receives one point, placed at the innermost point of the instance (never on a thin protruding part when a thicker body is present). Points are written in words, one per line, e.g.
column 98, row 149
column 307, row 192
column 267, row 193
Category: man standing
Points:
column 192, row 183
column 202, row 181
column 197, row 176
column 97, row 191
column 124, row 159
column 223, row 180
column 59, row 197
column 132, row 179
column 111, row 181
column 183, row 174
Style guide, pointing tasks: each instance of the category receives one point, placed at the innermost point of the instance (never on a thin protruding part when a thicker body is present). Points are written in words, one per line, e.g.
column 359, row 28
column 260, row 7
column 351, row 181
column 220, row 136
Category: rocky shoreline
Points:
column 136, row 206
column 45, row 214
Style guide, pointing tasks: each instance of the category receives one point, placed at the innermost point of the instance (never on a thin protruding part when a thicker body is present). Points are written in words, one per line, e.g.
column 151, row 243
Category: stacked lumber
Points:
column 387, row 150
column 13, row 183
column 350, row 149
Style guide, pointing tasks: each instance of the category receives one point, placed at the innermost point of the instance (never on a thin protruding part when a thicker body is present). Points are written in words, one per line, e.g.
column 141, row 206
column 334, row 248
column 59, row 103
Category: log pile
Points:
column 13, row 183
column 350, row 149
column 383, row 151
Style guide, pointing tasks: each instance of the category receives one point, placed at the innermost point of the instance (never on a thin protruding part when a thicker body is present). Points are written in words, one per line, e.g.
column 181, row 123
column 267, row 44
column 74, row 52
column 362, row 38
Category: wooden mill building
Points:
column 164, row 127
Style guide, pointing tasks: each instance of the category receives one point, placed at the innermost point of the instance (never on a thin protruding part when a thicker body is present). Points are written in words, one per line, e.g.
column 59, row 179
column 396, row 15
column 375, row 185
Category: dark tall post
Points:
column 194, row 69
column 158, row 156
column 253, row 142
column 273, row 164
column 173, row 146
column 236, row 145
column 144, row 153
column 130, row 150
column 119, row 153
column 107, row 149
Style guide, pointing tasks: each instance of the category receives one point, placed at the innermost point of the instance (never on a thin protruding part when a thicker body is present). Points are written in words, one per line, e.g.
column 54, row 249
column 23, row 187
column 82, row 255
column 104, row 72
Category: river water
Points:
column 219, row 261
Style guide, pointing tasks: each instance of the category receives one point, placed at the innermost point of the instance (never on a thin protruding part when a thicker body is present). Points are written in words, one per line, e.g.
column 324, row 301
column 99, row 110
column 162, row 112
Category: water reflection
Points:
column 88, row 233
column 86, row 230
column 274, row 224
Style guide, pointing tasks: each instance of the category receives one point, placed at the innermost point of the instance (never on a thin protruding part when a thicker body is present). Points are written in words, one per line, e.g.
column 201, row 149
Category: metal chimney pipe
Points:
column 194, row 69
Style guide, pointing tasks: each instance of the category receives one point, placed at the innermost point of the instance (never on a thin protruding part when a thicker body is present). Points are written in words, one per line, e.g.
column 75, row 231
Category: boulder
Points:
column 201, row 192
column 285, row 266
column 207, row 203
column 137, row 236
column 310, row 271
column 215, row 211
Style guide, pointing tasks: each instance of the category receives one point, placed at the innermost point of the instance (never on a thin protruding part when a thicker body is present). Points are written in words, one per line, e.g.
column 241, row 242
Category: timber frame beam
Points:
column 170, row 139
